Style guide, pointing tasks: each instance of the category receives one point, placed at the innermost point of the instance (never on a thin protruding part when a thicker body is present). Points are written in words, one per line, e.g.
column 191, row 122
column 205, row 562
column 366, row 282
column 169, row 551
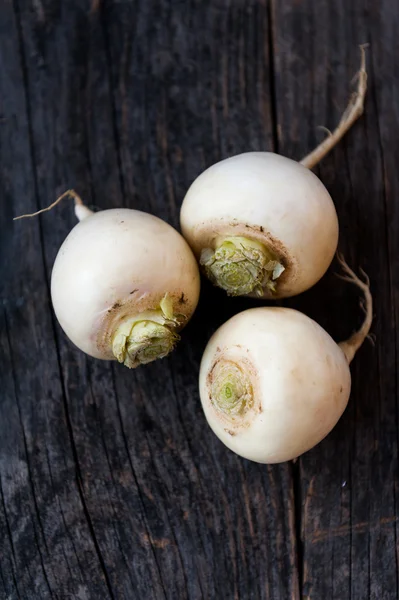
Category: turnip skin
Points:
column 121, row 265
column 273, row 383
column 299, row 376
column 271, row 200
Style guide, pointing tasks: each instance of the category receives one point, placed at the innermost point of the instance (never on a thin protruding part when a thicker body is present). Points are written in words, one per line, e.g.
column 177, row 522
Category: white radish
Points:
column 262, row 224
column 273, row 383
column 123, row 285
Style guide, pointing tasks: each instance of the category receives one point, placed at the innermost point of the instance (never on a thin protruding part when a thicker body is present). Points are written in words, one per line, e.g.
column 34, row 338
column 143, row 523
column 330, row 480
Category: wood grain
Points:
column 111, row 483
column 348, row 486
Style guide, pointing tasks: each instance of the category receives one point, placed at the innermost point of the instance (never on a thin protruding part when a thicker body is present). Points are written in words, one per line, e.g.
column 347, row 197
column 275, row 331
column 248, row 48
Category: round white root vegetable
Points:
column 273, row 383
column 262, row 224
column 123, row 284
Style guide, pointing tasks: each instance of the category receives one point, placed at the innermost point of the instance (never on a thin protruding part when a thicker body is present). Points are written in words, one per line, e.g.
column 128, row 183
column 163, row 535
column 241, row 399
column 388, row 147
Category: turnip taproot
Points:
column 273, row 383
column 262, row 224
column 123, row 284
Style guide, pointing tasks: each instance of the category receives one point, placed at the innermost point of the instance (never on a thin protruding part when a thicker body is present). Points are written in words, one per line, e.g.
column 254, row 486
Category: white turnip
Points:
column 262, row 224
column 123, row 285
column 273, row 383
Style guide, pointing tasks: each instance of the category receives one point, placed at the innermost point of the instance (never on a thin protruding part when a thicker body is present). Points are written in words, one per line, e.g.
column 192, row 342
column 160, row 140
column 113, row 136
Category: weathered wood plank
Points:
column 43, row 517
column 349, row 483
column 183, row 113
column 73, row 145
column 123, row 102
column 111, row 484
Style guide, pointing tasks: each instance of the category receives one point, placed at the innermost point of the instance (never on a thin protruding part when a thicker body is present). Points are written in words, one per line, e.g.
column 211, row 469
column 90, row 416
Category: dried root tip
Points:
column 81, row 210
column 352, row 345
column 353, row 111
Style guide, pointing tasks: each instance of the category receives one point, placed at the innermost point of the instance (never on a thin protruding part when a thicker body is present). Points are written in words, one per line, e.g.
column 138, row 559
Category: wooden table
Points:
column 112, row 484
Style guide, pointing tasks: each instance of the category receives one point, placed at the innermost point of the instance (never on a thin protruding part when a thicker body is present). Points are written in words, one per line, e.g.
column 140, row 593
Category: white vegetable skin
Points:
column 115, row 265
column 270, row 199
column 299, row 376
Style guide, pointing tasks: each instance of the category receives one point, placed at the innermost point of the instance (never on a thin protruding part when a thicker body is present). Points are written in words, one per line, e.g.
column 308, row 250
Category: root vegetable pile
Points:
column 272, row 382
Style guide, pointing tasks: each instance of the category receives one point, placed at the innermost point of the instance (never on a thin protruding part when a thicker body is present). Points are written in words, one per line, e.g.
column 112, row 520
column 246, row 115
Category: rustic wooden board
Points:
column 349, row 484
column 111, row 483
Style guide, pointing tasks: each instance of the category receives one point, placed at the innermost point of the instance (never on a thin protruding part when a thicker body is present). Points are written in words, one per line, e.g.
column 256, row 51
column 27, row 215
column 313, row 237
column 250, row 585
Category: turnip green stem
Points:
column 142, row 342
column 147, row 336
column 231, row 390
column 241, row 266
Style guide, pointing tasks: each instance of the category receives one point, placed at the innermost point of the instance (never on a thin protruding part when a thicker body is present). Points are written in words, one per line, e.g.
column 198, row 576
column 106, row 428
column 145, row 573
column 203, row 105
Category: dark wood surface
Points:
column 111, row 483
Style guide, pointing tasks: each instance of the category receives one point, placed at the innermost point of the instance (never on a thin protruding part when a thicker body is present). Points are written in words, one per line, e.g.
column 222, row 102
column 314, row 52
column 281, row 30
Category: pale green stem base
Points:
column 146, row 337
column 241, row 266
column 231, row 389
